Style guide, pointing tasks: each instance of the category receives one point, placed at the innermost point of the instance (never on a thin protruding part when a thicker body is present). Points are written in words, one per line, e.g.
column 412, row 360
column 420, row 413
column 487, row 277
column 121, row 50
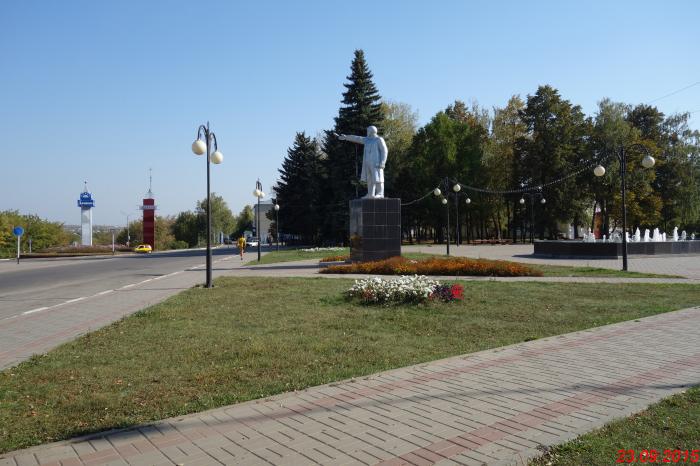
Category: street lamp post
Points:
column 128, row 233
column 467, row 216
column 277, row 224
column 543, row 201
column 647, row 162
column 259, row 194
column 199, row 147
column 438, row 193
column 458, row 237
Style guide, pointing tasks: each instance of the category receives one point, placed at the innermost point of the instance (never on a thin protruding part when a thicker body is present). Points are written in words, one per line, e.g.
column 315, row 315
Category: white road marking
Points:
column 101, row 293
column 74, row 300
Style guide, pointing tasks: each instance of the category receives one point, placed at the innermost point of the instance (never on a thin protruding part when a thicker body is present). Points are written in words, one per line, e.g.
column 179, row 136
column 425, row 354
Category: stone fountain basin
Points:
column 576, row 248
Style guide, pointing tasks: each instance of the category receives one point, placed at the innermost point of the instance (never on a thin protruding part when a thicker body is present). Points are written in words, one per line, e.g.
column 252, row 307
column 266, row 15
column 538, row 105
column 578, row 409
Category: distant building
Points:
column 265, row 223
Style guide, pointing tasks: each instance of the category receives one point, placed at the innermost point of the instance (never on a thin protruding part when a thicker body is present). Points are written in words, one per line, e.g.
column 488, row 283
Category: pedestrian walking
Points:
column 241, row 245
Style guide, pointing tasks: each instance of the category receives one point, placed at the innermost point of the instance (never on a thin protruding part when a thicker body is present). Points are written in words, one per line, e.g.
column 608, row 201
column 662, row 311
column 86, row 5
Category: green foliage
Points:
column 163, row 228
column 244, row 221
column 555, row 144
column 361, row 108
column 191, row 227
column 43, row 233
column 298, row 191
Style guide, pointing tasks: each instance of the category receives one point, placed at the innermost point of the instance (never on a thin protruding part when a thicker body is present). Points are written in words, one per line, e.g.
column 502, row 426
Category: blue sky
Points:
column 102, row 91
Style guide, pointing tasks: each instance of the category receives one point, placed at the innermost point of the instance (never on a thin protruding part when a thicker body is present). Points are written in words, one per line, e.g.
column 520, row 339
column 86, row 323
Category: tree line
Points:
column 542, row 141
column 186, row 229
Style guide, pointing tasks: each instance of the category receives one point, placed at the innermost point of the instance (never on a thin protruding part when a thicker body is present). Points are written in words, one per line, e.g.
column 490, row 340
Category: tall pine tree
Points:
column 361, row 108
column 298, row 190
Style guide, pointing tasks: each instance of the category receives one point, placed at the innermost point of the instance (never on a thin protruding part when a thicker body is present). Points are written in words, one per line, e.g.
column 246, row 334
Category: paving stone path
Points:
column 493, row 407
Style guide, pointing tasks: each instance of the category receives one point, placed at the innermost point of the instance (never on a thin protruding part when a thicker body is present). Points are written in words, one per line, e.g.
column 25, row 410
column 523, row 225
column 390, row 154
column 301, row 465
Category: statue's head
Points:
column 371, row 131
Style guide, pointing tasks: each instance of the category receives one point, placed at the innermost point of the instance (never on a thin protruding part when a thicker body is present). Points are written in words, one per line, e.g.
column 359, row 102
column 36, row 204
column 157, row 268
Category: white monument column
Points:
column 86, row 203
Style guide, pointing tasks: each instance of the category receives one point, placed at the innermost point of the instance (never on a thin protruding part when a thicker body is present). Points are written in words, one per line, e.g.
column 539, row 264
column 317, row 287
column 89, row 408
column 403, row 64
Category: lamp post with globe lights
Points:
column 647, row 162
column 206, row 140
column 438, row 193
column 277, row 224
column 259, row 194
column 532, row 197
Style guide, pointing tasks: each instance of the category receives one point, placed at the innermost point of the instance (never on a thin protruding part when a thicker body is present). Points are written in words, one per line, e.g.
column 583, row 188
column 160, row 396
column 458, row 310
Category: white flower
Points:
column 399, row 289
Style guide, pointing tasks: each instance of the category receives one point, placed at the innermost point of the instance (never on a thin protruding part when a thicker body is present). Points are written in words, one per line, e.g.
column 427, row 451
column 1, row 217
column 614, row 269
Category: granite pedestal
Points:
column 375, row 229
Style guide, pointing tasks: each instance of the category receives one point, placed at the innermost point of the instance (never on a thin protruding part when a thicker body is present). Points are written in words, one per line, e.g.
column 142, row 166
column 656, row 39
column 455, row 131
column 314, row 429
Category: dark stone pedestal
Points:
column 375, row 229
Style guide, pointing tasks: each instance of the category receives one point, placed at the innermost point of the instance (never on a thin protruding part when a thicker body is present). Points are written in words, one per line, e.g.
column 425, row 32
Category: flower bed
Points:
column 338, row 258
column 455, row 266
column 320, row 249
column 405, row 289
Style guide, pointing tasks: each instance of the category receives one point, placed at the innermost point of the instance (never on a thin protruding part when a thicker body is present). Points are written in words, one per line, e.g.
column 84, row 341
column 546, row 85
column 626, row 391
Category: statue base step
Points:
column 375, row 229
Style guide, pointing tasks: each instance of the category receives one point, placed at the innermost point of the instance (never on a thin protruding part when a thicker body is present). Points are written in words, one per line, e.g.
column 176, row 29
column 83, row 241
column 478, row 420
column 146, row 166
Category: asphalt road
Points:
column 41, row 283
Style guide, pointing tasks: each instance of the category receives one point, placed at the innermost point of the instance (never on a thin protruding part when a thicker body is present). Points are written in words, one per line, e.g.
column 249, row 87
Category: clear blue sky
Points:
column 101, row 91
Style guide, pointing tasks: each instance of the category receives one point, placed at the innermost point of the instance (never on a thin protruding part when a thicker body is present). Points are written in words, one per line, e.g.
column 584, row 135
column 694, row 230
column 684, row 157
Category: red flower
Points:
column 457, row 291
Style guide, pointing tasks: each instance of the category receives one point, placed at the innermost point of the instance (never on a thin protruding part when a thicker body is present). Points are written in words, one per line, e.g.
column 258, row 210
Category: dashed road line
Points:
column 39, row 309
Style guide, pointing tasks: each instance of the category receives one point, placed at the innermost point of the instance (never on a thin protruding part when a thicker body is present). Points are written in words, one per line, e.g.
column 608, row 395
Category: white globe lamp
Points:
column 217, row 157
column 648, row 161
column 199, row 147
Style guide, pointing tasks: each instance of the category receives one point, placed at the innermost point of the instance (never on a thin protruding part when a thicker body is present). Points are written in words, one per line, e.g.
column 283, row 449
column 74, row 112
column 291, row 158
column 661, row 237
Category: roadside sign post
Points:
column 18, row 232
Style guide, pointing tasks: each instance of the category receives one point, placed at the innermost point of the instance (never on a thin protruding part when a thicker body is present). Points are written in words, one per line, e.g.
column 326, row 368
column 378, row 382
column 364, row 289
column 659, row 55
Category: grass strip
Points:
column 252, row 337
column 671, row 424
column 292, row 255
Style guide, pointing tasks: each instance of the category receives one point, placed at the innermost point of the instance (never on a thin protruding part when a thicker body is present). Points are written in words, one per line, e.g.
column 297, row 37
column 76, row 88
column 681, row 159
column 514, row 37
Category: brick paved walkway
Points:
column 492, row 407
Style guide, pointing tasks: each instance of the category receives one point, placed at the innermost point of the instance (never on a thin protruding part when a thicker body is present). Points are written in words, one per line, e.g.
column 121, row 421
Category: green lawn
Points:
column 291, row 255
column 252, row 337
column 567, row 271
column 672, row 424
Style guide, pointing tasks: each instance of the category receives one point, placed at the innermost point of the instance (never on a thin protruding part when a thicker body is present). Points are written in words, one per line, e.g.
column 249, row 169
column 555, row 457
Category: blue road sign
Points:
column 18, row 231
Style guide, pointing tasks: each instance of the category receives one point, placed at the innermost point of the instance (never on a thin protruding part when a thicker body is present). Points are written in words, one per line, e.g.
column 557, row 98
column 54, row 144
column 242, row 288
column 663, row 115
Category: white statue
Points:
column 675, row 234
column 684, row 236
column 373, row 160
column 647, row 235
column 637, row 235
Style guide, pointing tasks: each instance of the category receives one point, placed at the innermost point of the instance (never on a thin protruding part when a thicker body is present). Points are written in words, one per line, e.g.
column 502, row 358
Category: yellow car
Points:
column 143, row 248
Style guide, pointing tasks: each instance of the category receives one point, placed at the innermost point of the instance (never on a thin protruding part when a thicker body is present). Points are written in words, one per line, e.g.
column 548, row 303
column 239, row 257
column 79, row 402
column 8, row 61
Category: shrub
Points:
column 455, row 266
column 179, row 244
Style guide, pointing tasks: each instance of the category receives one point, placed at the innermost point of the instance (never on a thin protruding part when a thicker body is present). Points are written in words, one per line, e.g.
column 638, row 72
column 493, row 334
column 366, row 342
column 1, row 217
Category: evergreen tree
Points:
column 361, row 108
column 555, row 144
column 297, row 191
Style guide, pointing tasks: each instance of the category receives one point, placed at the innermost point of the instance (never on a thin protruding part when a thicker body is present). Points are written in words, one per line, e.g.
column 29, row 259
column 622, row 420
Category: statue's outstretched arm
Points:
column 355, row 139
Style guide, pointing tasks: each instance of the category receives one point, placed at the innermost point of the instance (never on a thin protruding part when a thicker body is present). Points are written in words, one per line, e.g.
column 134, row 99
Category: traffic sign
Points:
column 18, row 231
